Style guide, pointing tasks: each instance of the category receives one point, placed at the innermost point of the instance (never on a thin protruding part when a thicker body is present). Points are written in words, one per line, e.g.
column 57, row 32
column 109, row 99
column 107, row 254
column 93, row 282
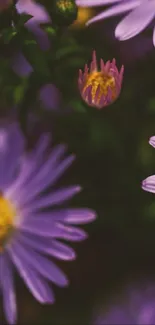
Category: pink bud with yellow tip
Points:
column 100, row 87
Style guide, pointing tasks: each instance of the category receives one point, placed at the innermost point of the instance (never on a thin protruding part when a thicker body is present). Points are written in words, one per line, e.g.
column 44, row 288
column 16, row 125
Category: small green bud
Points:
column 64, row 12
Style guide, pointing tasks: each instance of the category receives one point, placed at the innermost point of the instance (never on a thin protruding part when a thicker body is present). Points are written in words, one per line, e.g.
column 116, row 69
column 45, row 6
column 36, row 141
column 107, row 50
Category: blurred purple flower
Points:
column 141, row 13
column 50, row 97
column 137, row 307
column 148, row 184
column 28, row 232
column 40, row 15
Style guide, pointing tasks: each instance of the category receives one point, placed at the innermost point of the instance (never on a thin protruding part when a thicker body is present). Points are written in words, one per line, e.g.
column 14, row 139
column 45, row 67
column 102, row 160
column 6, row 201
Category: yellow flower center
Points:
column 96, row 79
column 65, row 4
column 7, row 214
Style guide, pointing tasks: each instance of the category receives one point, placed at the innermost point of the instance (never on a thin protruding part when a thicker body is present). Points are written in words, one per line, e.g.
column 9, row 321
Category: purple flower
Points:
column 28, row 232
column 148, row 184
column 135, row 307
column 40, row 15
column 100, row 87
column 4, row 4
column 141, row 13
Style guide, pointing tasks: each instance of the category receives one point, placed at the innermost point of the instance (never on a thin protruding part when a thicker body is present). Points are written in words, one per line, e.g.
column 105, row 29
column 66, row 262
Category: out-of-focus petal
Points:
column 136, row 21
column 94, row 3
column 50, row 97
column 154, row 36
column 20, row 65
column 115, row 10
column 9, row 159
column 152, row 141
column 38, row 11
column 149, row 184
column 8, row 290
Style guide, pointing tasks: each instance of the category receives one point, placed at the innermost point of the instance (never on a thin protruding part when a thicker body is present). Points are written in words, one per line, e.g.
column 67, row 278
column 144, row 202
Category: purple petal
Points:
column 29, row 164
column 49, row 247
column 49, row 95
column 94, row 3
column 36, row 284
column 13, row 151
column 154, row 37
column 38, row 263
column 47, row 175
column 49, row 228
column 40, row 35
column 115, row 10
column 36, row 10
column 72, row 216
column 136, row 21
column 115, row 316
column 21, row 66
column 149, row 184
column 8, row 290
column 55, row 198
column 152, row 141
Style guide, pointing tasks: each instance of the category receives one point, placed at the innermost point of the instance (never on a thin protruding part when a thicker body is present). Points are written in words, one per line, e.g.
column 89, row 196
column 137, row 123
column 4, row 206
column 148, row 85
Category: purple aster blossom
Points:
column 140, row 15
column 135, row 307
column 28, row 232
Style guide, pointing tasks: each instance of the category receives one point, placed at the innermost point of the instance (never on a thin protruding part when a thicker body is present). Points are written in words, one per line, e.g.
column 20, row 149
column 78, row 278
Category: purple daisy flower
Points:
column 28, row 232
column 136, row 307
column 148, row 184
column 141, row 13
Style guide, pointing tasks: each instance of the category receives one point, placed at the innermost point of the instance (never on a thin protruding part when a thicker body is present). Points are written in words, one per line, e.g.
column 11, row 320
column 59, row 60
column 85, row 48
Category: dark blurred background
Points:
column 113, row 157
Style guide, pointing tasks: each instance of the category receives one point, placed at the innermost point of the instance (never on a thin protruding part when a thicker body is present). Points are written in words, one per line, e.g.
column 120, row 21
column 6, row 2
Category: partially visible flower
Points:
column 148, row 184
column 136, row 307
column 40, row 16
column 141, row 13
column 50, row 97
column 28, row 231
column 84, row 13
column 100, row 88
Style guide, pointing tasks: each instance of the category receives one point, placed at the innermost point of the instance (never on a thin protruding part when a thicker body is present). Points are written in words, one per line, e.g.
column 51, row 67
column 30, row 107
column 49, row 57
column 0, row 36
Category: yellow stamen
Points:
column 96, row 79
column 7, row 214
column 64, row 4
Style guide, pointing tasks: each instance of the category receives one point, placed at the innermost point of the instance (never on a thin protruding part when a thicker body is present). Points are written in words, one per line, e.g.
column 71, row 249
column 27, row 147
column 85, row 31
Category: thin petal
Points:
column 115, row 10
column 74, row 216
column 136, row 21
column 154, row 36
column 8, row 290
column 40, row 264
column 152, row 141
column 36, row 284
column 149, row 184
column 30, row 163
column 49, row 228
column 95, row 3
column 55, row 198
column 47, row 175
column 48, row 246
